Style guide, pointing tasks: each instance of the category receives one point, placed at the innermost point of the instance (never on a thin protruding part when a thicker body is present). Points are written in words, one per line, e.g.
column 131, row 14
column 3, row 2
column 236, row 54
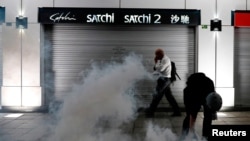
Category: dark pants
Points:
column 163, row 87
column 207, row 121
column 195, row 93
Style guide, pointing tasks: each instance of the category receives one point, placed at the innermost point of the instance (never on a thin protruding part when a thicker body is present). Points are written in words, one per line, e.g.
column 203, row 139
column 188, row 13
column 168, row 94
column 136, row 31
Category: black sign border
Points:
column 44, row 14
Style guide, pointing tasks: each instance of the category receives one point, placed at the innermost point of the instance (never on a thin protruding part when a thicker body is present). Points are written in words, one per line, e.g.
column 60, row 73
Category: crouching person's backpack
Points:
column 214, row 101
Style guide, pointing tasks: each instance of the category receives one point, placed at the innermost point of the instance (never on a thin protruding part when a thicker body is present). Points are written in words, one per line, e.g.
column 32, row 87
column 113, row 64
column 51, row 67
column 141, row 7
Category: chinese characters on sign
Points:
column 183, row 19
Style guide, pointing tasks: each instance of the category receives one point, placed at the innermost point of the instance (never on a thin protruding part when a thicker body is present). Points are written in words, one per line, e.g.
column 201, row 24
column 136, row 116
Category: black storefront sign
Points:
column 2, row 15
column 119, row 16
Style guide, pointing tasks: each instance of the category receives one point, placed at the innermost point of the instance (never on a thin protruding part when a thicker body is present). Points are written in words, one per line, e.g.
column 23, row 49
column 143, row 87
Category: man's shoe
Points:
column 149, row 113
column 176, row 114
column 214, row 116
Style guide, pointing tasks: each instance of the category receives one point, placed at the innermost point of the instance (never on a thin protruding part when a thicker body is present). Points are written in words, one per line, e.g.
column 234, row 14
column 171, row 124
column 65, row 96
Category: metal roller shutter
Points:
column 72, row 47
column 242, row 67
column 1, row 63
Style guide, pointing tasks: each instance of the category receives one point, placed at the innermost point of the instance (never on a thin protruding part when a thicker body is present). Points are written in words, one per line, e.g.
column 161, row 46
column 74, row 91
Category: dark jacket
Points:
column 196, row 91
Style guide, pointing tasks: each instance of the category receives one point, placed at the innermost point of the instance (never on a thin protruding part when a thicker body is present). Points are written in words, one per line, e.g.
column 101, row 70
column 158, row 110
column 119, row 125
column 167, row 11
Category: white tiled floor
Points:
column 29, row 126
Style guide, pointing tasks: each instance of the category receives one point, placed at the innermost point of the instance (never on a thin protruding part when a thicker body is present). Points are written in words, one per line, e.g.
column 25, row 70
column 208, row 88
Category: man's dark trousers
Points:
column 163, row 87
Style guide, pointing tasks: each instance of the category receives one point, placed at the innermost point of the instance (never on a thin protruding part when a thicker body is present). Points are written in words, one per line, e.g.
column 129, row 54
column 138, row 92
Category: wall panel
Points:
column 12, row 9
column 31, row 56
column 207, row 8
column 167, row 4
column 30, row 8
column 87, row 3
column 224, row 57
column 248, row 4
column 11, row 56
column 206, row 52
column 224, row 8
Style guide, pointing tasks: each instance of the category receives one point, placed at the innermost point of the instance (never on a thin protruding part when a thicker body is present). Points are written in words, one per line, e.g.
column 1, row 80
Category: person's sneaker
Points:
column 214, row 116
column 149, row 113
column 176, row 114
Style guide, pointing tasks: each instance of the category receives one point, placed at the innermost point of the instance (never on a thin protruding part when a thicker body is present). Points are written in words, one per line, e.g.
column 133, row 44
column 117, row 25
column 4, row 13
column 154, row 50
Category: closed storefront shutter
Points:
column 71, row 48
column 1, row 65
column 242, row 67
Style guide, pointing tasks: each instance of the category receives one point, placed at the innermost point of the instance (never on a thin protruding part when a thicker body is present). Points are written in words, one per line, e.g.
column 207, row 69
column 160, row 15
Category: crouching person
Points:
column 199, row 92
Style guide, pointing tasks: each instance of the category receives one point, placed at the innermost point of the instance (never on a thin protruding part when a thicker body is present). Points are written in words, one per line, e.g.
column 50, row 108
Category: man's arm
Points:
column 163, row 64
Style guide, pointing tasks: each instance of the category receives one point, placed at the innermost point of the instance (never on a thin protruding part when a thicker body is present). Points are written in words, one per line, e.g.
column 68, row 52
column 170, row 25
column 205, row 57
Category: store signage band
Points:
column 2, row 15
column 118, row 16
column 241, row 18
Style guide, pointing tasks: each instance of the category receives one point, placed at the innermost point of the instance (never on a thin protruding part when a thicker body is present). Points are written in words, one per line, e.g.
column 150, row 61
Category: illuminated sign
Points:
column 118, row 16
column 241, row 18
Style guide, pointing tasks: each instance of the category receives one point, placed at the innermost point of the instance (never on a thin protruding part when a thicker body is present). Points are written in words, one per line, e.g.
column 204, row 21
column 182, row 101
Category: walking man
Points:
column 162, row 68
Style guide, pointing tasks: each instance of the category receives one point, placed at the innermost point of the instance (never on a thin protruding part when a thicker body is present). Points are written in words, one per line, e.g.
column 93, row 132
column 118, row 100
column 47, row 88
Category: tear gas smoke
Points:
column 159, row 134
column 96, row 109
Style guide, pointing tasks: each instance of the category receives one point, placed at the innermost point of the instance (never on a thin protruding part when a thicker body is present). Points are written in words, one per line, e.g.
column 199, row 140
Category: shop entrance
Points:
column 71, row 48
column 242, row 67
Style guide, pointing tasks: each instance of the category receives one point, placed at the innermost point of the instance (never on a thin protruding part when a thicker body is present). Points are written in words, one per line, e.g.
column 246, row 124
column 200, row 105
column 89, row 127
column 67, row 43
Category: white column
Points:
column 225, row 65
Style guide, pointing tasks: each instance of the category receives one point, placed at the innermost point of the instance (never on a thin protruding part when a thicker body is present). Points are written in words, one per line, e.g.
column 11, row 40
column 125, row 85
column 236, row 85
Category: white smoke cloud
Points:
column 97, row 108
column 155, row 133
